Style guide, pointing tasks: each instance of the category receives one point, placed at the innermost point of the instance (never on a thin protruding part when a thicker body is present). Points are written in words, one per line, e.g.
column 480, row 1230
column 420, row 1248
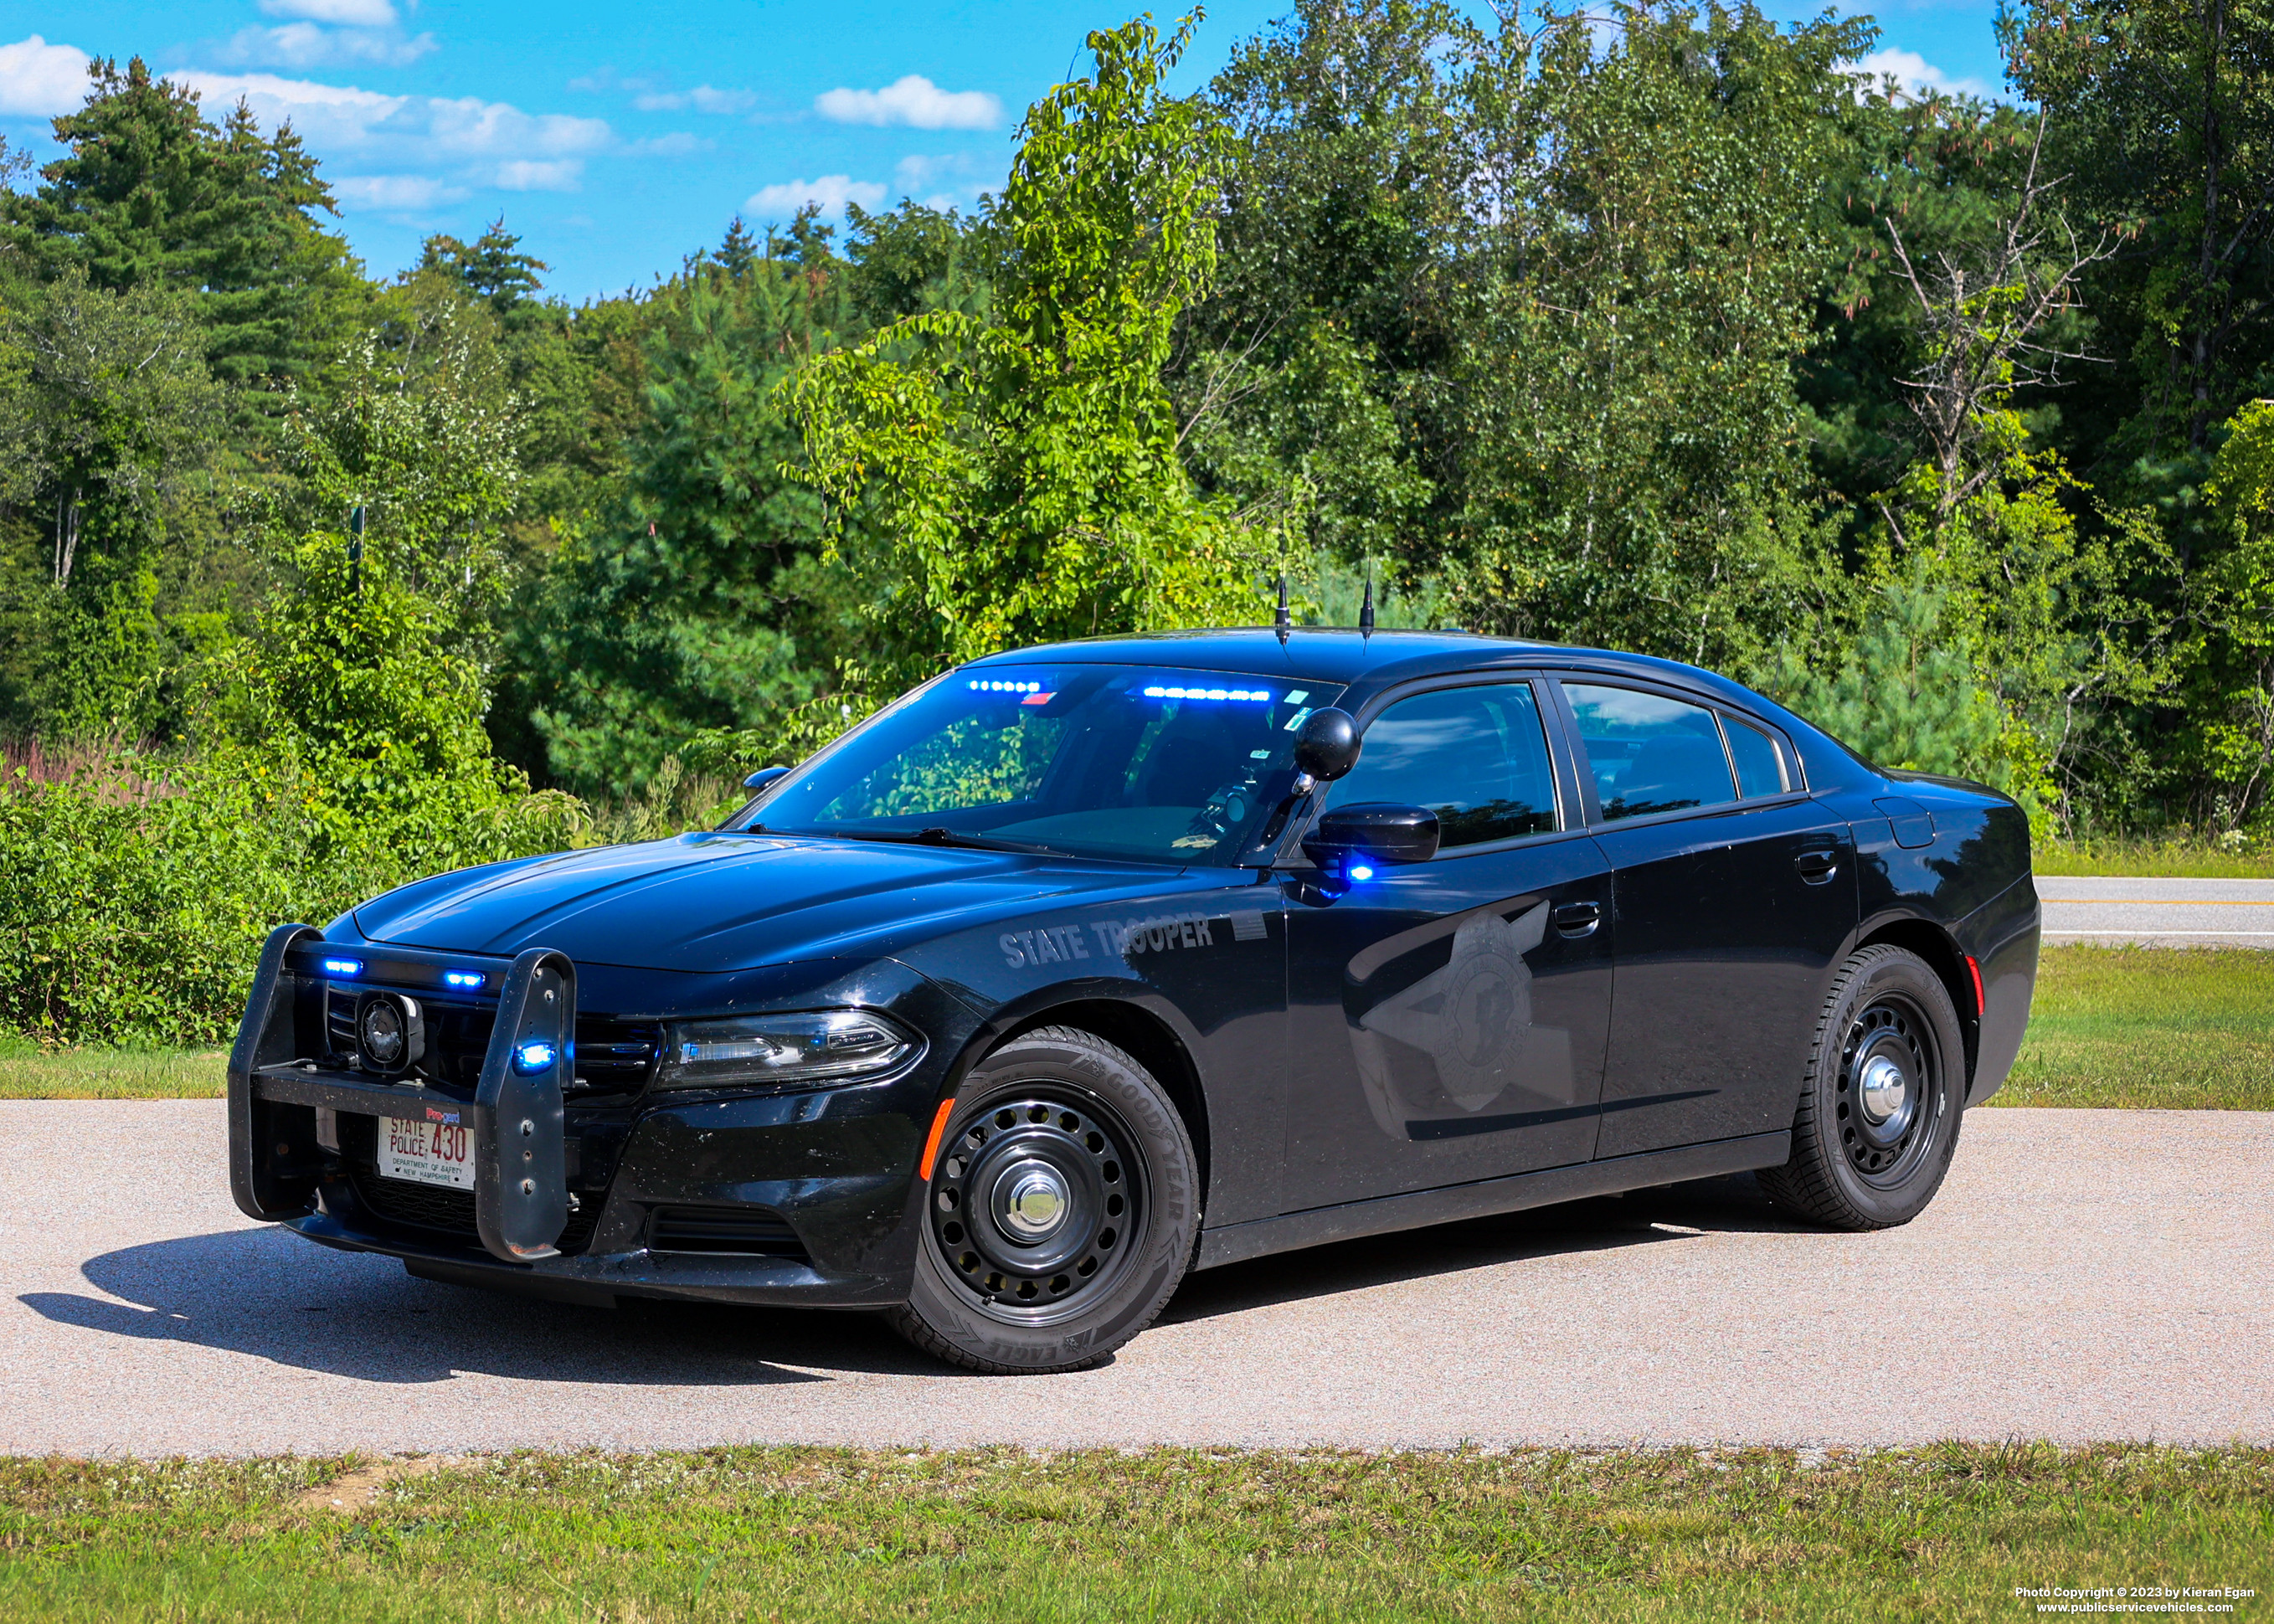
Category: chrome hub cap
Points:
column 1031, row 1199
column 1883, row 1089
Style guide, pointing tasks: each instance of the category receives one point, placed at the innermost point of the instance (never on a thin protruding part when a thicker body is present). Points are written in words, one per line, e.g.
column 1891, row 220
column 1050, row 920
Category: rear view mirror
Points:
column 1379, row 830
column 763, row 776
column 1328, row 746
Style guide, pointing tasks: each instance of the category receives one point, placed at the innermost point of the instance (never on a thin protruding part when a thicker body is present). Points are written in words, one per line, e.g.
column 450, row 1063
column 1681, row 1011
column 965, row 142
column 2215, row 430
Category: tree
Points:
column 494, row 272
column 117, row 415
column 1025, row 464
column 1653, row 218
column 148, row 194
column 695, row 606
column 2165, row 111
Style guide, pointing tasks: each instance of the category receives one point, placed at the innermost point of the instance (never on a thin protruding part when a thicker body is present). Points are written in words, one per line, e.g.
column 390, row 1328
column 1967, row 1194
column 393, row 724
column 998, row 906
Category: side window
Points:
column 1761, row 770
column 1475, row 756
column 1650, row 754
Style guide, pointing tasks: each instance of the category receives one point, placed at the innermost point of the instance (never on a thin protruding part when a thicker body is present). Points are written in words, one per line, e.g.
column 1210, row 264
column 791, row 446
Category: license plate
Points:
column 426, row 1152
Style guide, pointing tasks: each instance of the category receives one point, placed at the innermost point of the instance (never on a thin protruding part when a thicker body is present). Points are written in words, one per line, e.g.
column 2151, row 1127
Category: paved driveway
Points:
column 2159, row 912
column 2084, row 1275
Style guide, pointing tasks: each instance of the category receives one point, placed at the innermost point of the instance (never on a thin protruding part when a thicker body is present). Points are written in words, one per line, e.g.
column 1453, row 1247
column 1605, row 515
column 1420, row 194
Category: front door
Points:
column 1735, row 893
column 1447, row 1020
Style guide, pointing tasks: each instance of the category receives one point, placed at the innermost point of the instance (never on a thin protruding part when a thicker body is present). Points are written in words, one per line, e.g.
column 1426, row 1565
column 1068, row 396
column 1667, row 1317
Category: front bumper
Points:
column 836, row 1167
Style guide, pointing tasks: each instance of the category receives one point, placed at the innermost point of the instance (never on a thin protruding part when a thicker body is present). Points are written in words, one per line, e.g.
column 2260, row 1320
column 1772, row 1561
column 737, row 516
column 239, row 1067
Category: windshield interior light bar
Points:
column 342, row 966
column 1249, row 695
column 979, row 685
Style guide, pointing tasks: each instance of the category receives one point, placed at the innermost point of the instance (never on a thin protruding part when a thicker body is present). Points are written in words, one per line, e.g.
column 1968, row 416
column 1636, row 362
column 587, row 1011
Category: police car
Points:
column 1084, row 966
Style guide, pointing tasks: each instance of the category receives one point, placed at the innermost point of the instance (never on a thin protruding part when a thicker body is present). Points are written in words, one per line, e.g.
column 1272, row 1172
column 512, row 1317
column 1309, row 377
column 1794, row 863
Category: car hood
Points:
column 712, row 903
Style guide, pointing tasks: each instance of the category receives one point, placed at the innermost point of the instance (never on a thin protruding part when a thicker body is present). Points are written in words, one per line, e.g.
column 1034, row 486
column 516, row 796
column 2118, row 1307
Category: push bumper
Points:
column 839, row 1165
column 516, row 1117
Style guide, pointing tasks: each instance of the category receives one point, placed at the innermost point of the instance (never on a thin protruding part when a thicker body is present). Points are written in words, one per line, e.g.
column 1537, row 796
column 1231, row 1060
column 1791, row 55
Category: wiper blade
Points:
column 933, row 836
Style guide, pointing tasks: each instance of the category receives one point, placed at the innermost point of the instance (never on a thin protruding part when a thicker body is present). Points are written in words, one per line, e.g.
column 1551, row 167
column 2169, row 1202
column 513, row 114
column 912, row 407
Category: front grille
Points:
column 434, row 1208
column 612, row 1056
column 731, row 1231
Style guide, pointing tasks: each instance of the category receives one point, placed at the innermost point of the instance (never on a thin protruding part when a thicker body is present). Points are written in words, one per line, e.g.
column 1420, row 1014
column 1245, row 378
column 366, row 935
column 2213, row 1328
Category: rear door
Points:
column 1447, row 1019
column 1733, row 893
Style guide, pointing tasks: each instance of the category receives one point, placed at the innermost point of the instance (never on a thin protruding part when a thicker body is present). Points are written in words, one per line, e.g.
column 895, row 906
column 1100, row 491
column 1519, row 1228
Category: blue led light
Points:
column 1360, row 871
column 1246, row 695
column 535, row 1057
column 342, row 966
column 468, row 979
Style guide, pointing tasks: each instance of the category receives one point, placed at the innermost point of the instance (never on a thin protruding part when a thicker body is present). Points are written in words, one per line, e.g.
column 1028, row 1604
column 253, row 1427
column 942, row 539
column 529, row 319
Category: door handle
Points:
column 1817, row 867
column 1576, row 919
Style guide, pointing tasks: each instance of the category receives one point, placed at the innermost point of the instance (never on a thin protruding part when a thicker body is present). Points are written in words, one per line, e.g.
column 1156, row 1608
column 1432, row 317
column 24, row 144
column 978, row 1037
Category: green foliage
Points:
column 1904, row 696
column 1025, row 464
column 697, row 601
column 148, row 194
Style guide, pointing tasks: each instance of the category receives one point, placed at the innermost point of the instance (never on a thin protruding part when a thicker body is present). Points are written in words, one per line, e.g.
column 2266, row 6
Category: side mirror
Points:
column 1382, row 830
column 1328, row 746
column 762, row 778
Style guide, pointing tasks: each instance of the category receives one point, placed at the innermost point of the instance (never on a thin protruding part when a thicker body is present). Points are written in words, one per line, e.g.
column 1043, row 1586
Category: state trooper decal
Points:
column 1434, row 1055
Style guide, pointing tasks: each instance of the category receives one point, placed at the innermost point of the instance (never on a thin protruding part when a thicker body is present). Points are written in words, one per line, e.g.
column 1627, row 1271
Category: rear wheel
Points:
column 1062, row 1210
column 1879, row 1108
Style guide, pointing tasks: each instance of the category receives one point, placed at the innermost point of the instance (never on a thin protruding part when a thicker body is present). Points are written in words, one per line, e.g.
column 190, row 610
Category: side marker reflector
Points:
column 1974, row 970
column 931, row 1144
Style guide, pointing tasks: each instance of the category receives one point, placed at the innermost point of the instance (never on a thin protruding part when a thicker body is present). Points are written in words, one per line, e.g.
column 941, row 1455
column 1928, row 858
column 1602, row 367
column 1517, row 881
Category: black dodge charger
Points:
column 1084, row 966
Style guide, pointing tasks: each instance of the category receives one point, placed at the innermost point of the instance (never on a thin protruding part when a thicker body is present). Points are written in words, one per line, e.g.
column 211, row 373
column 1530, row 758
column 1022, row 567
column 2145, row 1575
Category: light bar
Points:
column 979, row 687
column 467, row 979
column 535, row 1057
column 1250, row 695
column 342, row 966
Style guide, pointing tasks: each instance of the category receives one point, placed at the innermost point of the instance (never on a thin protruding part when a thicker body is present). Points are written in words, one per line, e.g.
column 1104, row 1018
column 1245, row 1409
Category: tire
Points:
column 1054, row 1117
column 1871, row 1145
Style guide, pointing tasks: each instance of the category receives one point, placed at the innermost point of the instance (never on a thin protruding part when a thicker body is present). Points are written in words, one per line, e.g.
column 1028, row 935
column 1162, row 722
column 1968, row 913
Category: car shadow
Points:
column 1669, row 1214
column 268, row 1294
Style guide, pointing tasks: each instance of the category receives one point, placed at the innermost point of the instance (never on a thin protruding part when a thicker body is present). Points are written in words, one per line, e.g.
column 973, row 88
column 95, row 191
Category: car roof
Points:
column 1344, row 655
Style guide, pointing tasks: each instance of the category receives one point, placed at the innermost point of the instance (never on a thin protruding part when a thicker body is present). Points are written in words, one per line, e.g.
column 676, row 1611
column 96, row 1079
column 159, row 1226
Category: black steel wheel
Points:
column 1881, row 1106
column 1062, row 1211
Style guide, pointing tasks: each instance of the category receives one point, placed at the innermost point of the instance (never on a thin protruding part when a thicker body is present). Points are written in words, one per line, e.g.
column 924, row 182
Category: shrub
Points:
column 134, row 898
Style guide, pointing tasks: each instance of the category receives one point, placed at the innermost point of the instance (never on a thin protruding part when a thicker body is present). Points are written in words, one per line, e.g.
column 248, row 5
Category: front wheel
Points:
column 1061, row 1213
column 1881, row 1105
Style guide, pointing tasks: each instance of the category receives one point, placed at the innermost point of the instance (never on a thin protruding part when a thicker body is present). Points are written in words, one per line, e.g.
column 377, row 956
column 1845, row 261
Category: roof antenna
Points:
column 1366, row 609
column 1280, row 621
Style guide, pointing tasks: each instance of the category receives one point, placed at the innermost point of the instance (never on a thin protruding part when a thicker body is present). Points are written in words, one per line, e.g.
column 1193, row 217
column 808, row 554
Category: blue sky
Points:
column 616, row 138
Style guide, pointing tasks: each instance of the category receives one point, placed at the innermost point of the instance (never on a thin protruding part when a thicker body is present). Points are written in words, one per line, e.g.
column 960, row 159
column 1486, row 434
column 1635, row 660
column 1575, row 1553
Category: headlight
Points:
column 831, row 1046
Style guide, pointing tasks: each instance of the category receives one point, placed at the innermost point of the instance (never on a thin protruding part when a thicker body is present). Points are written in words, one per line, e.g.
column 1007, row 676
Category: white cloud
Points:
column 1917, row 75
column 678, row 144
column 833, row 193
column 941, row 182
column 354, row 14
column 540, row 174
column 395, row 191
column 305, row 45
column 471, row 142
column 39, row 81
column 914, row 100
column 703, row 99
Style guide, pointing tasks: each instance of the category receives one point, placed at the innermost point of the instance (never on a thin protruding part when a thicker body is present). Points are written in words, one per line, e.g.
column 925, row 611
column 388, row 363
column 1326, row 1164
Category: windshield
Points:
column 1123, row 761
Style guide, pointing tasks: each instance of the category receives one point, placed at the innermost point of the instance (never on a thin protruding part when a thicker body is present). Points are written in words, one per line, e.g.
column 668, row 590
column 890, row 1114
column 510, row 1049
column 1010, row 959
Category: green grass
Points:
column 2154, row 859
column 1947, row 1533
column 29, row 1072
column 2189, row 1028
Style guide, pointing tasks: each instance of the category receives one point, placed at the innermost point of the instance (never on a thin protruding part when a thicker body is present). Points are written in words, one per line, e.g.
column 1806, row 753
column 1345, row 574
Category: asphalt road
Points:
column 2084, row 1275
column 2159, row 912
